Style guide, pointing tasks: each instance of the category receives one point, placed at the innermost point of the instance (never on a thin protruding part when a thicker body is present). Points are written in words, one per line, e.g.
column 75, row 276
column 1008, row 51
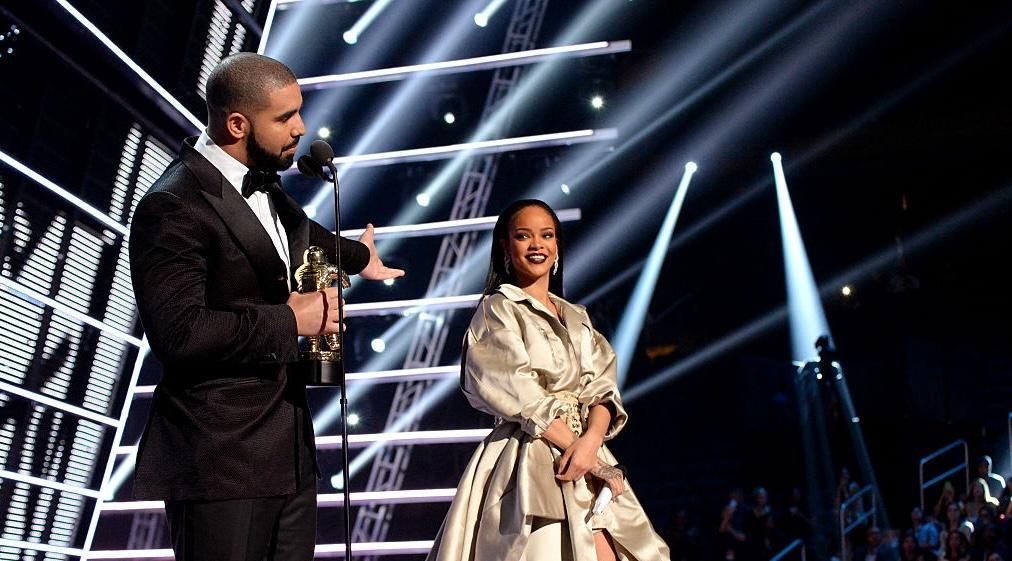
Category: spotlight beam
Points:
column 823, row 144
column 985, row 208
column 473, row 64
column 631, row 324
column 526, row 91
column 807, row 317
column 587, row 167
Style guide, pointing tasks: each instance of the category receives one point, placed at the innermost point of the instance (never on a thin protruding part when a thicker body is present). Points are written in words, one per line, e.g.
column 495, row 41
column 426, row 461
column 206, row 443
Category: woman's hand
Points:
column 611, row 476
column 579, row 458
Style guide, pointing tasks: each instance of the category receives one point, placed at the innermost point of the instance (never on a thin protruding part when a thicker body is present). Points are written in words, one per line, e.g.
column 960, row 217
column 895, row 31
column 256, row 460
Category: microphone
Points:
column 309, row 167
column 603, row 498
column 322, row 154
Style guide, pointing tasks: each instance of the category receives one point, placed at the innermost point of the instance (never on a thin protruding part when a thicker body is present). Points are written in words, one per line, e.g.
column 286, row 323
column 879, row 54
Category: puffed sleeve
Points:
column 496, row 374
column 601, row 386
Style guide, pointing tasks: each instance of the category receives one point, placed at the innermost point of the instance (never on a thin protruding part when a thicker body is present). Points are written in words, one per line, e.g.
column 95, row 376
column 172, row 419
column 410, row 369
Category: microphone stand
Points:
column 343, row 381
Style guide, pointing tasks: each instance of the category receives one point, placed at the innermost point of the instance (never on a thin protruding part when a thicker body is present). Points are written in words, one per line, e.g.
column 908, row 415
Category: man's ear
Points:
column 237, row 125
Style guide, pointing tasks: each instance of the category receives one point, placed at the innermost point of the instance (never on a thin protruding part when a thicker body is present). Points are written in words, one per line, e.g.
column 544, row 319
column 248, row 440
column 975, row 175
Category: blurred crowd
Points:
column 972, row 526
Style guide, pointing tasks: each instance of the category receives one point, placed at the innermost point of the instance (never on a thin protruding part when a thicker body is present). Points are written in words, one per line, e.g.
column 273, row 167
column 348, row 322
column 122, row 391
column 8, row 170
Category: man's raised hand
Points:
column 375, row 270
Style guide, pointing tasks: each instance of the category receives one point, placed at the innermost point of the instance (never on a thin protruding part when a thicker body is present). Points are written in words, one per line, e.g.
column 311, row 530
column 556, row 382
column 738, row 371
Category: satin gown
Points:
column 526, row 367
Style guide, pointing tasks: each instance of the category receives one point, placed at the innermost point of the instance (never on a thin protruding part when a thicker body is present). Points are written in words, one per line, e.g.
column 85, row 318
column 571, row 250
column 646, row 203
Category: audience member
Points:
column 925, row 531
column 874, row 549
column 995, row 482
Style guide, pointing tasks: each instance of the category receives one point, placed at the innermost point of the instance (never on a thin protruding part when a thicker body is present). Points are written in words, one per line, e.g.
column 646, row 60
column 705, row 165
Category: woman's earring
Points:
column 506, row 264
column 555, row 267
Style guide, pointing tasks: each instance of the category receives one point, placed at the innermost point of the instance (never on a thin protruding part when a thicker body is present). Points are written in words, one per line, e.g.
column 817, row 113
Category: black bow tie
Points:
column 265, row 181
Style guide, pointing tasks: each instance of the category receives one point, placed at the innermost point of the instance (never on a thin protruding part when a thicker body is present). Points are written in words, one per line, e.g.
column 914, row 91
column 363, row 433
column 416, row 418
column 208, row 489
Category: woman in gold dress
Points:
column 533, row 360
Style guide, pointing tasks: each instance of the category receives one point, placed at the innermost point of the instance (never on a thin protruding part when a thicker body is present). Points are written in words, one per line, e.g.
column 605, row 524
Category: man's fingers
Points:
column 367, row 235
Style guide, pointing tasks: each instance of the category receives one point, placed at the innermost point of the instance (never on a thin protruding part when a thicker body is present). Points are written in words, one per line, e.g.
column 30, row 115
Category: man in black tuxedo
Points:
column 229, row 441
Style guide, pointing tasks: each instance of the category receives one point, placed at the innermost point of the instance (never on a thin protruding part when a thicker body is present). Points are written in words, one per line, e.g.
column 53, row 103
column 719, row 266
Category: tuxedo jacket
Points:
column 226, row 421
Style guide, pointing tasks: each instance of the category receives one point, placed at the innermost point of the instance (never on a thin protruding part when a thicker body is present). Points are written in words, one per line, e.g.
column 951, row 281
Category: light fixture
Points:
column 597, row 102
column 378, row 345
column 449, row 118
column 323, row 133
column 388, row 282
column 565, row 188
column 423, row 199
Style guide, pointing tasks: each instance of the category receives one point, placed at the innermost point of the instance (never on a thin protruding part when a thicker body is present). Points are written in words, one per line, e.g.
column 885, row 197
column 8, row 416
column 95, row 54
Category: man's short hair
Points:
column 241, row 83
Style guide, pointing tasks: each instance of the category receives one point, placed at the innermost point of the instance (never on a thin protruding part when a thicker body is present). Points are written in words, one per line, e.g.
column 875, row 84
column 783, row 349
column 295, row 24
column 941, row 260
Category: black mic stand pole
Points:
column 343, row 381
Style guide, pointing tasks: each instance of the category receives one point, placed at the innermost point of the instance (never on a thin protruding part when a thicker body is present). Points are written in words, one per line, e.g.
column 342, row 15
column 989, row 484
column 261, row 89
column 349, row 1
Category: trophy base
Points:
column 314, row 372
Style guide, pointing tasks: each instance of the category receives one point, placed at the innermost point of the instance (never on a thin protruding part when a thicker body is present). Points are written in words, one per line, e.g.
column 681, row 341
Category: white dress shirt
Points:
column 259, row 202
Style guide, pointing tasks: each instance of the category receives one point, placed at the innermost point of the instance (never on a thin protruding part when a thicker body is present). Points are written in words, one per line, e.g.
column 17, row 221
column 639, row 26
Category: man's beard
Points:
column 262, row 159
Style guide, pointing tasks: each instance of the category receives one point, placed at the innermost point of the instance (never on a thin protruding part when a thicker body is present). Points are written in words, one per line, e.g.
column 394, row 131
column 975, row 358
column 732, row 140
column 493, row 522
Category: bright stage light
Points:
column 807, row 318
column 449, row 118
column 631, row 324
column 482, row 17
column 323, row 133
column 846, row 290
column 423, row 199
column 597, row 102
column 388, row 282
column 351, row 36
column 353, row 419
column 378, row 345
column 565, row 188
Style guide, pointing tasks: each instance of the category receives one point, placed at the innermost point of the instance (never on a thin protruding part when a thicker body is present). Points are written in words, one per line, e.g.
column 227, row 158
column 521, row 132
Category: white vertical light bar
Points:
column 268, row 26
column 117, row 438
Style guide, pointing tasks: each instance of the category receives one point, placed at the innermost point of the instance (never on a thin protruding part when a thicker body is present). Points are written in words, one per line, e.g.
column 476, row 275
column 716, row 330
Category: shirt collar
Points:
column 233, row 170
column 572, row 312
column 517, row 294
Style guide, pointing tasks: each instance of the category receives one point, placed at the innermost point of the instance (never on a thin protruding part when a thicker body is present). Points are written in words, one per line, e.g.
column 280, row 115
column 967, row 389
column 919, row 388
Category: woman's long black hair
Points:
column 497, row 274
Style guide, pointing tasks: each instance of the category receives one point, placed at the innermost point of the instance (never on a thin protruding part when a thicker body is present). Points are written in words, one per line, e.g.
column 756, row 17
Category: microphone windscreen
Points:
column 308, row 167
column 322, row 152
